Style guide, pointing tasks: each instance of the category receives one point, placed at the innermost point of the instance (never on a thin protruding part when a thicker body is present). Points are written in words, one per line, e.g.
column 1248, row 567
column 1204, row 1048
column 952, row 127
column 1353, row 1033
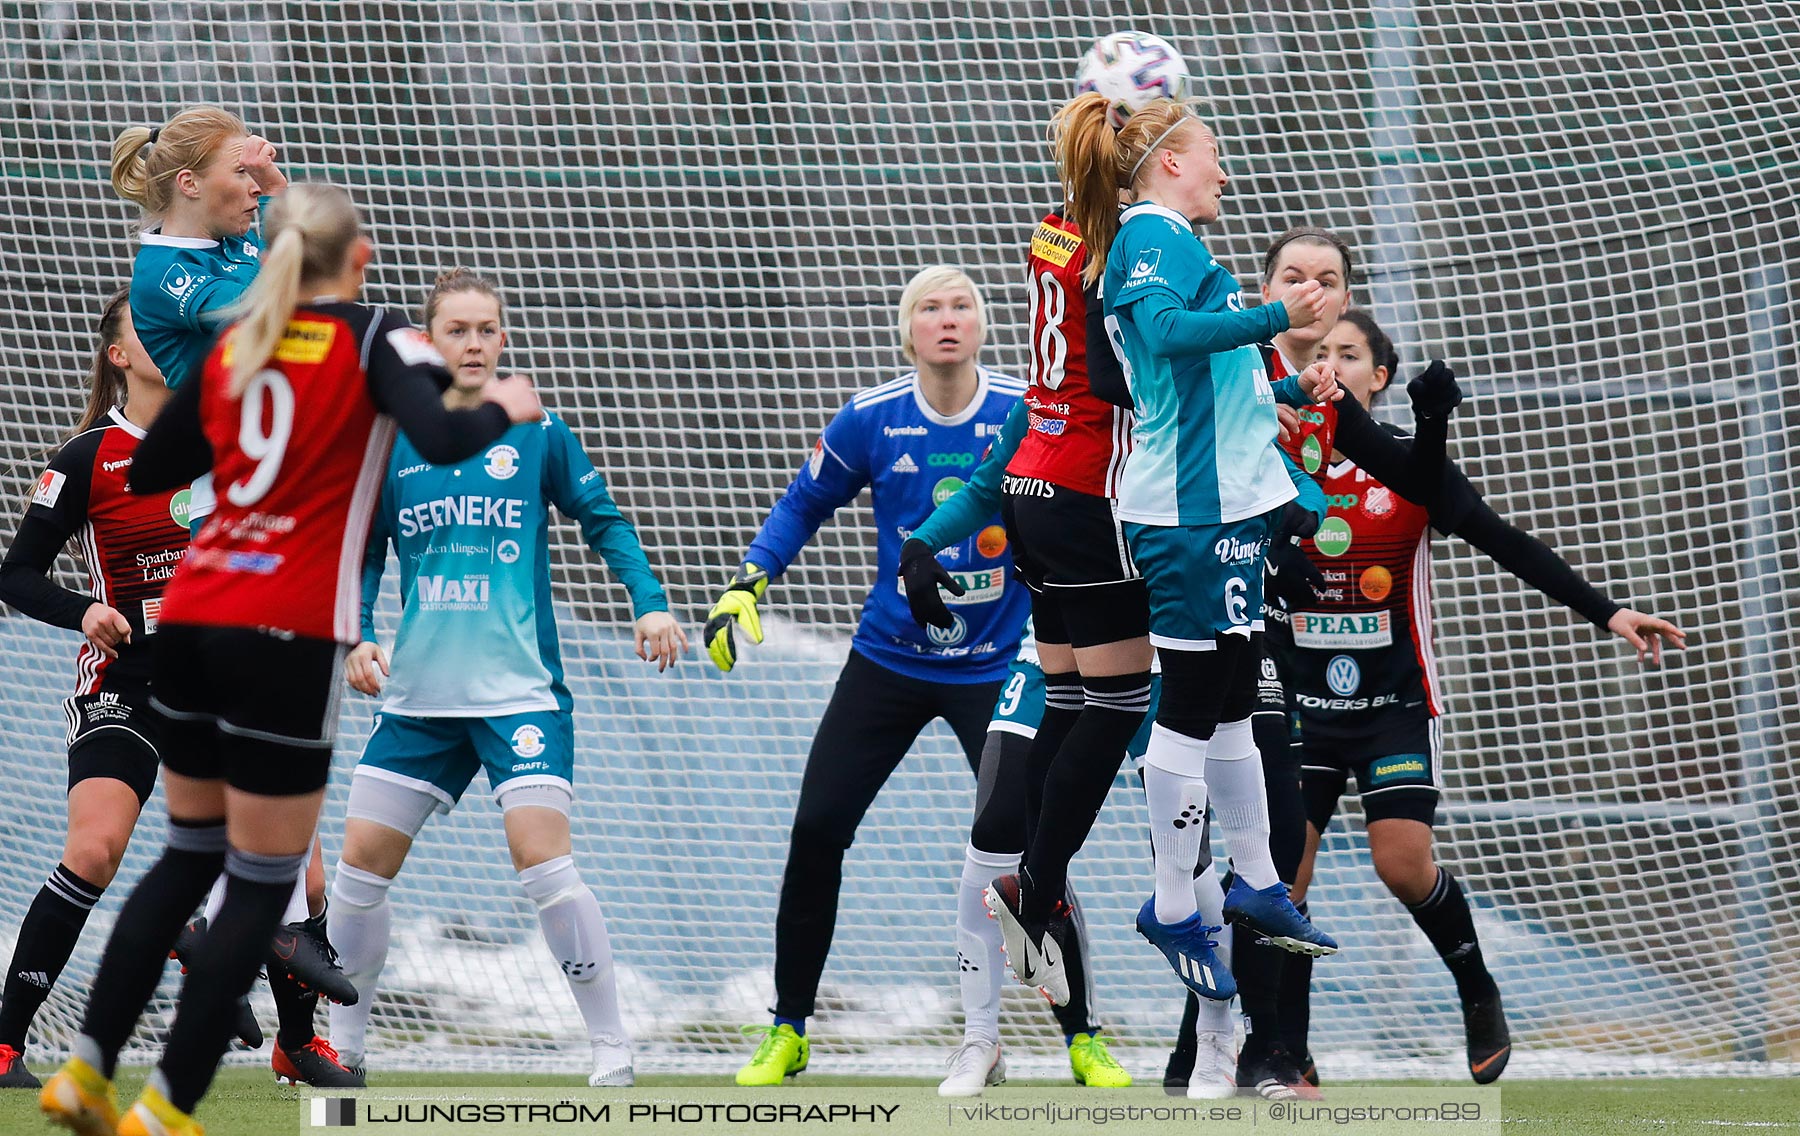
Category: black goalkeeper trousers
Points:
column 872, row 720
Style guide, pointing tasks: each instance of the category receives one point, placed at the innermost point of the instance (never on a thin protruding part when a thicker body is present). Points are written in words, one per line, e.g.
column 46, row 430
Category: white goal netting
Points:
column 702, row 214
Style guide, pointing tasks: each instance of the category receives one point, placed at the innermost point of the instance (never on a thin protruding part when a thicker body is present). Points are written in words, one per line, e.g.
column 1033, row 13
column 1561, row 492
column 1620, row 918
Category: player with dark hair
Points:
column 473, row 545
column 898, row 678
column 1358, row 661
column 294, row 412
column 128, row 546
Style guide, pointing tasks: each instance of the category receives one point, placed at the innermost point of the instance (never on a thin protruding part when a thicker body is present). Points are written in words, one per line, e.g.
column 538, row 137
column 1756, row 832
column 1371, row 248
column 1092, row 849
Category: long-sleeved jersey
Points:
column 129, row 545
column 477, row 627
column 180, row 288
column 911, row 458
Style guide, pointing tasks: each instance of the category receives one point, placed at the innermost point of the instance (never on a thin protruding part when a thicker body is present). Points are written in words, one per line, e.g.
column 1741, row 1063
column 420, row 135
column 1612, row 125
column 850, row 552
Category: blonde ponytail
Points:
column 1097, row 162
column 310, row 229
column 145, row 161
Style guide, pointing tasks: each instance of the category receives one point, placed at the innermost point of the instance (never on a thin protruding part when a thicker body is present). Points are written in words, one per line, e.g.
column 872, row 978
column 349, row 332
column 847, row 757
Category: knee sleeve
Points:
column 390, row 804
column 552, row 882
column 1232, row 741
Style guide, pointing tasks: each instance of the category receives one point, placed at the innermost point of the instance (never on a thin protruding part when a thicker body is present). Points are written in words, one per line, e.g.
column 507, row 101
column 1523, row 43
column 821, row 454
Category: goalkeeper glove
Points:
column 736, row 607
column 1294, row 525
column 1434, row 392
column 1292, row 578
column 921, row 572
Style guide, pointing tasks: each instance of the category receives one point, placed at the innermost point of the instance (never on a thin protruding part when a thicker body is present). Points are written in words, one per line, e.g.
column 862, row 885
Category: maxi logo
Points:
column 1355, row 631
column 1343, row 676
column 959, row 461
column 983, row 586
column 454, row 593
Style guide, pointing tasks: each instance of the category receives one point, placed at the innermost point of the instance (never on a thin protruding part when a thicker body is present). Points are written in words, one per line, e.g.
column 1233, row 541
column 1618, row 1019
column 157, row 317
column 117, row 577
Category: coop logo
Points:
column 528, row 740
column 1341, row 500
column 507, row 551
column 950, row 636
column 502, row 462
column 1342, row 675
column 1146, row 264
column 961, row 461
column 178, row 280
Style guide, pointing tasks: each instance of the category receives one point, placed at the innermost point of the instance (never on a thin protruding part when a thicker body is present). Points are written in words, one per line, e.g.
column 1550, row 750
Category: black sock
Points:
column 257, row 889
column 1294, row 1006
column 158, row 908
column 1076, row 783
column 1063, row 702
column 1444, row 917
column 46, row 940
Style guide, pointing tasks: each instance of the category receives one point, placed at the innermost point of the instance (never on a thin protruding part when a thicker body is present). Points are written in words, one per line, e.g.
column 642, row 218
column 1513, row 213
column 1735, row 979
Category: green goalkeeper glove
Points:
column 737, row 606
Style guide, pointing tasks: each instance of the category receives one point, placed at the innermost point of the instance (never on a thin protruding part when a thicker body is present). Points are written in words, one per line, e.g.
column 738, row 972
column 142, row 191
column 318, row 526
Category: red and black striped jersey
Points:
column 1074, row 438
column 129, row 546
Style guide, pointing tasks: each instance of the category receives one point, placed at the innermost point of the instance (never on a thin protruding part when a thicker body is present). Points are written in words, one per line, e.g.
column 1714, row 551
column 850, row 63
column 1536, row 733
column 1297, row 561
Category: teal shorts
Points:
column 1204, row 580
column 1020, row 709
column 440, row 756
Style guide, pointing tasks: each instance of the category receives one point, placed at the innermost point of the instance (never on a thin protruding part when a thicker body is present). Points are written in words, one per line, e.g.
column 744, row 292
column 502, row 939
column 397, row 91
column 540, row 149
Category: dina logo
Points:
column 951, row 636
column 1343, row 676
column 528, row 740
column 1147, row 263
column 180, row 507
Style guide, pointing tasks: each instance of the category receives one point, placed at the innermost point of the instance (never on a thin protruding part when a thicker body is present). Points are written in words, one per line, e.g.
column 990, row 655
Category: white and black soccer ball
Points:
column 1131, row 69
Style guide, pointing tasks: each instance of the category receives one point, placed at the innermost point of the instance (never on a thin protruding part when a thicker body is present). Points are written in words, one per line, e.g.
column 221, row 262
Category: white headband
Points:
column 1184, row 120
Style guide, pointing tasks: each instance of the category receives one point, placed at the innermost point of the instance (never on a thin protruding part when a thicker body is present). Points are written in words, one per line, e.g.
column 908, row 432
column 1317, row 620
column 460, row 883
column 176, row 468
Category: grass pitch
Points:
column 246, row 1102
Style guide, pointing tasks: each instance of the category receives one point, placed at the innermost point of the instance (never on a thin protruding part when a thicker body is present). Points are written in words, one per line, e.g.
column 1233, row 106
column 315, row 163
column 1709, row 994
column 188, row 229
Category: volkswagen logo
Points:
column 1342, row 675
column 951, row 637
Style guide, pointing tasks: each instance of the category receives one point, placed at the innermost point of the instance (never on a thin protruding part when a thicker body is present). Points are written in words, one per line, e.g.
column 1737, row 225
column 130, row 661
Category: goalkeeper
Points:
column 473, row 544
column 897, row 439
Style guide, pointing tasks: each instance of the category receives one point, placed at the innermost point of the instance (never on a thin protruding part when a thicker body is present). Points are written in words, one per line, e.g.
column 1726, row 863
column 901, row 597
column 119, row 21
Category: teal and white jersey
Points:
column 180, row 289
column 1202, row 447
column 477, row 631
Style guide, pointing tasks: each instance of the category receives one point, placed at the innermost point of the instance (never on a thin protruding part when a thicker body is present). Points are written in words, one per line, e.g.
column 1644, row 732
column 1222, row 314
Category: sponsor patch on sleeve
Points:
column 179, row 280
column 49, row 488
column 413, row 348
column 816, row 462
column 1053, row 245
column 306, row 341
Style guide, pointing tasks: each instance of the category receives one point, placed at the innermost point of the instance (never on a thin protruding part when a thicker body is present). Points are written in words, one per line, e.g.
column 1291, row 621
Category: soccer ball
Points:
column 1131, row 69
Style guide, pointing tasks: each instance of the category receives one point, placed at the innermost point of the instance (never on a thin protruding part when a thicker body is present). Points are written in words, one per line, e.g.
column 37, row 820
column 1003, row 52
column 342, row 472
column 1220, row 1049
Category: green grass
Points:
column 245, row 1102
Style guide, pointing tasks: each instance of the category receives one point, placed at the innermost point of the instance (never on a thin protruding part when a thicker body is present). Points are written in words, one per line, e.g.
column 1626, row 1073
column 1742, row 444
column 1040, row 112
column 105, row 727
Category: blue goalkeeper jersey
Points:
column 912, row 459
column 180, row 288
column 1203, row 445
column 477, row 630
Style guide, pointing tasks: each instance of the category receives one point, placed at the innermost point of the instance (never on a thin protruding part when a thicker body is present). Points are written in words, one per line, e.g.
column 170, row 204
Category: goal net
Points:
column 702, row 215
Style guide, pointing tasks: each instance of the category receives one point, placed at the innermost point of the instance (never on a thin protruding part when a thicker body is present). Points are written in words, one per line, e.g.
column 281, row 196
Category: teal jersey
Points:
column 477, row 629
column 180, row 288
column 1202, row 448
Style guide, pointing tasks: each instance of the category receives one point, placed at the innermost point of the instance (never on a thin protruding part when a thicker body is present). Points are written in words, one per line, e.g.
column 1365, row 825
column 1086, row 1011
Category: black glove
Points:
column 921, row 573
column 1291, row 578
column 1295, row 524
column 1434, row 392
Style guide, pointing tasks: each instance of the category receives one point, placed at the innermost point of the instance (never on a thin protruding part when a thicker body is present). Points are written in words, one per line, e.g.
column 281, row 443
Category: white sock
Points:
column 1175, row 789
column 575, row 930
column 359, row 924
column 215, row 899
column 297, row 910
column 1240, row 802
column 980, row 962
column 1215, row 1015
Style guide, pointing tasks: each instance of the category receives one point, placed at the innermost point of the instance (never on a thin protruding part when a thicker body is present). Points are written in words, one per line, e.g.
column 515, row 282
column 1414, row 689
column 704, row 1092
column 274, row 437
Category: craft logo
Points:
column 528, row 740
column 1342, row 675
column 951, row 636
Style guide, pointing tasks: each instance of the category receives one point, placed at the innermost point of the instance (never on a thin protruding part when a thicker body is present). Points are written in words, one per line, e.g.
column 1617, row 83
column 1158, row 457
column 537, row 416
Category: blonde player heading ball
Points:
column 442, row 720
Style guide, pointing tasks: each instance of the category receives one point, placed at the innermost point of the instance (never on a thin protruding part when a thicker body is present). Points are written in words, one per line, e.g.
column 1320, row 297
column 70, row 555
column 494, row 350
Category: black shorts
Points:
column 253, row 709
column 1069, row 550
column 1397, row 772
column 114, row 734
